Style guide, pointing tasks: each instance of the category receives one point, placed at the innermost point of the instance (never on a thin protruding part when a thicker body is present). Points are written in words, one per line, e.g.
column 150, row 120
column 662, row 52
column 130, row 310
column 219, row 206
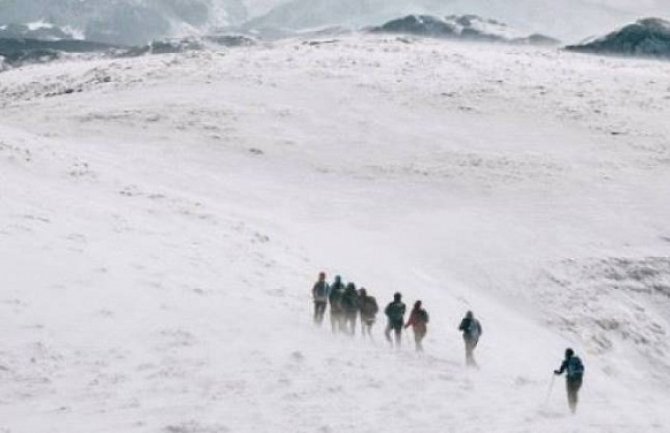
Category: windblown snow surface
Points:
column 162, row 220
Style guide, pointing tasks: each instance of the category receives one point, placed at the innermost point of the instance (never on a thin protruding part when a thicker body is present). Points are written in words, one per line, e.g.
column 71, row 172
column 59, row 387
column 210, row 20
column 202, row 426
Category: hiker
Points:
column 418, row 319
column 574, row 369
column 320, row 293
column 350, row 308
column 395, row 312
column 472, row 330
column 335, row 299
column 368, row 309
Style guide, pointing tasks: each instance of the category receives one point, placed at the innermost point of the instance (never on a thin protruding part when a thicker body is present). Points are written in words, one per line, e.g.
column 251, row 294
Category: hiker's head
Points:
column 417, row 305
column 569, row 353
column 363, row 292
column 338, row 279
column 351, row 286
column 397, row 297
column 469, row 315
column 322, row 276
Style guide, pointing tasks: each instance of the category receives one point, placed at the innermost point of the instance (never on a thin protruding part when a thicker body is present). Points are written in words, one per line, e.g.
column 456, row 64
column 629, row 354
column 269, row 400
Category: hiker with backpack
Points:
column 335, row 300
column 574, row 369
column 395, row 312
column 418, row 319
column 472, row 330
column 350, row 308
column 320, row 293
column 368, row 308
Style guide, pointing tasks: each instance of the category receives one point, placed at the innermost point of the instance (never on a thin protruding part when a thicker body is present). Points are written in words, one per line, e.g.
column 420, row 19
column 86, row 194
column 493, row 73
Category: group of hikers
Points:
column 347, row 303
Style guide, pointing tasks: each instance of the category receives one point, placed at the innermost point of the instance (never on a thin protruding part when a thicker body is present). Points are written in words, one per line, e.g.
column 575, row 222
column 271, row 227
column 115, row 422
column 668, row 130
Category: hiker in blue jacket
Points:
column 574, row 369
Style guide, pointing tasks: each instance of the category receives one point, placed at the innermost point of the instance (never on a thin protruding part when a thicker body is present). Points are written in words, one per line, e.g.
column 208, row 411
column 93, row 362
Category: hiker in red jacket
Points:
column 418, row 319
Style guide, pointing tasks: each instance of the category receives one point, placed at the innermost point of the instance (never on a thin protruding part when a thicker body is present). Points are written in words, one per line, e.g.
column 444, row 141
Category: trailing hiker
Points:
column 350, row 308
column 418, row 319
column 574, row 369
column 395, row 312
column 369, row 309
column 320, row 293
column 335, row 300
column 472, row 330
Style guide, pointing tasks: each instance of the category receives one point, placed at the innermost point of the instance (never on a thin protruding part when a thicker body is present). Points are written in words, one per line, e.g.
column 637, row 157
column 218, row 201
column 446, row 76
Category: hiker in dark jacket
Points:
column 320, row 293
column 395, row 312
column 335, row 300
column 574, row 369
column 472, row 330
column 350, row 308
column 418, row 320
column 369, row 309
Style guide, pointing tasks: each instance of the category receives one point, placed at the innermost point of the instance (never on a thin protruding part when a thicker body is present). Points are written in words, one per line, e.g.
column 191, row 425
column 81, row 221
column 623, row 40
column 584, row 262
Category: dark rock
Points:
column 422, row 25
column 537, row 39
column 19, row 51
column 230, row 40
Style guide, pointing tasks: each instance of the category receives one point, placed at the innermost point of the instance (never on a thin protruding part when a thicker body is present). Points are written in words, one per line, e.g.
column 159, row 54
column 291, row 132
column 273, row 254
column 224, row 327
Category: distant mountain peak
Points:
column 470, row 27
column 649, row 37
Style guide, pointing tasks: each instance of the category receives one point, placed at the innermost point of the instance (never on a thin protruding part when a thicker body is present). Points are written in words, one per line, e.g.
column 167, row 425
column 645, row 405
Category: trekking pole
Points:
column 551, row 387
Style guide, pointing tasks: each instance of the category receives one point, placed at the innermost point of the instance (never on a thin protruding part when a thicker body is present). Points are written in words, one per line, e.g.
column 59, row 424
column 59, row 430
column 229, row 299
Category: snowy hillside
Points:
column 162, row 225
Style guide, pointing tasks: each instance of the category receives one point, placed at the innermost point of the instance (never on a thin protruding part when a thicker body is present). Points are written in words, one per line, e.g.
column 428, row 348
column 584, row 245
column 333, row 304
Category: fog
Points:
column 138, row 21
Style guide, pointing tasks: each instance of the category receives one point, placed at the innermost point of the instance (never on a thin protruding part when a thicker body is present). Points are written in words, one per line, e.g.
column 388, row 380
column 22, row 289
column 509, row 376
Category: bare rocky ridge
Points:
column 648, row 37
column 466, row 27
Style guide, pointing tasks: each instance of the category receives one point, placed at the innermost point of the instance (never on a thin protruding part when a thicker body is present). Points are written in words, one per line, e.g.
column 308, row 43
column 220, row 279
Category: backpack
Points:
column 575, row 368
column 369, row 306
column 350, row 300
column 473, row 330
column 335, row 298
column 423, row 315
column 396, row 311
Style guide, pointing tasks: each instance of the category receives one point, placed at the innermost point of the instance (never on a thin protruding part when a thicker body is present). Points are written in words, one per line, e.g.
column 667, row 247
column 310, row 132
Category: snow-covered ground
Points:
column 162, row 220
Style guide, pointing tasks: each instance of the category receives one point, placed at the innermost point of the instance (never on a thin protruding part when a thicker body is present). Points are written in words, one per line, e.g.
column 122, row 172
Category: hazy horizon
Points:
column 129, row 21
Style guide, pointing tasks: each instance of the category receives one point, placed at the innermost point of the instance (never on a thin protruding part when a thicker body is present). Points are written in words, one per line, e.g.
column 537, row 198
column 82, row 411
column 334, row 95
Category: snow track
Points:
column 161, row 225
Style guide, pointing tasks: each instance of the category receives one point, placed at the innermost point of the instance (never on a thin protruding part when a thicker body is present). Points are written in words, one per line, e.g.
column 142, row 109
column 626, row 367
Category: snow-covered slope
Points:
column 162, row 224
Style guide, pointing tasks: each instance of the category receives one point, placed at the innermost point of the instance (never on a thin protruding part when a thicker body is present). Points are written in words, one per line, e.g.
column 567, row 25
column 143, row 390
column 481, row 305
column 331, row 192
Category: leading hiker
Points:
column 320, row 293
column 574, row 369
